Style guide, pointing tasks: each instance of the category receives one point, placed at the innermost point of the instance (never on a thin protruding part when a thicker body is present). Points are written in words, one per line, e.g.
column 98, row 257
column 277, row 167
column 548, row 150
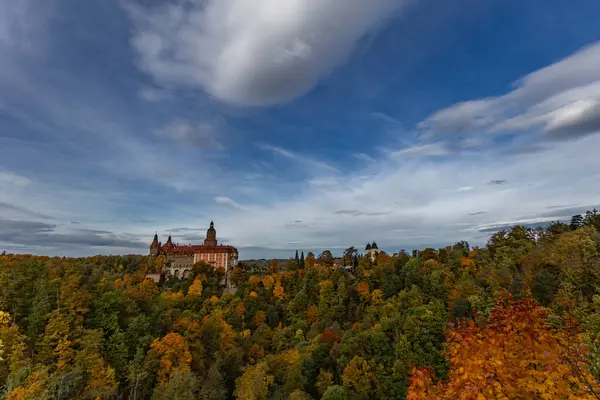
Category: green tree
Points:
column 336, row 392
column 577, row 221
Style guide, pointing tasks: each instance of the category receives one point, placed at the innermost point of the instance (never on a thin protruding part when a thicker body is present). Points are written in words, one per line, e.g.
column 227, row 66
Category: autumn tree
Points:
column 254, row 384
column 515, row 354
column 310, row 260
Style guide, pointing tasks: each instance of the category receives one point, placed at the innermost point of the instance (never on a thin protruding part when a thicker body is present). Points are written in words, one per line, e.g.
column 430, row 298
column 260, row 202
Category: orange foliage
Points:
column 473, row 253
column 514, row 355
column 363, row 290
column 240, row 310
column 312, row 313
column 255, row 353
column 174, row 353
column 329, row 336
column 278, row 291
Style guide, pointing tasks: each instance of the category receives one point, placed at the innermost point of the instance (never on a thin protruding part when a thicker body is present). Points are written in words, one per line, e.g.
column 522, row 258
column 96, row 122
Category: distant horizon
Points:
column 287, row 254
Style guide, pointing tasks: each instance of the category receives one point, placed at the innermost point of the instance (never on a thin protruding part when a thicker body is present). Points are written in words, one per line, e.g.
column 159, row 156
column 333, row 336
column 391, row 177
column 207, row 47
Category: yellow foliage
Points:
column 227, row 337
column 260, row 317
column 253, row 294
column 255, row 382
column 4, row 319
column 324, row 380
column 377, row 297
column 358, row 376
column 196, row 288
column 174, row 352
column 245, row 333
column 214, row 299
column 268, row 281
column 278, row 291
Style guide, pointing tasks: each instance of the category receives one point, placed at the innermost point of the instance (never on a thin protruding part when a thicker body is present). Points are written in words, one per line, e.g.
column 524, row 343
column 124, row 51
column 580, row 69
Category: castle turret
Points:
column 371, row 251
column 154, row 246
column 211, row 236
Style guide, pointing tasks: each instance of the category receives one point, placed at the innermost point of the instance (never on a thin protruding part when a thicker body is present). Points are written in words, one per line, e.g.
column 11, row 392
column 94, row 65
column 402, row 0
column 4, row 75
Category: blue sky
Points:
column 304, row 124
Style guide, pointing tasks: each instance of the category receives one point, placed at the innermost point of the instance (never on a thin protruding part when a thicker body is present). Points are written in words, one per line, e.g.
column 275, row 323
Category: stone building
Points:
column 179, row 259
column 372, row 251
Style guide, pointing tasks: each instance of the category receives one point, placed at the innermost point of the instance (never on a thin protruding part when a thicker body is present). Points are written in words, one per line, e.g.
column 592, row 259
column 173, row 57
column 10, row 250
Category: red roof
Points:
column 194, row 249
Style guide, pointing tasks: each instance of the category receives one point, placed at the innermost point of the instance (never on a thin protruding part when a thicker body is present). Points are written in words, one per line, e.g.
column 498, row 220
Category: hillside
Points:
column 518, row 318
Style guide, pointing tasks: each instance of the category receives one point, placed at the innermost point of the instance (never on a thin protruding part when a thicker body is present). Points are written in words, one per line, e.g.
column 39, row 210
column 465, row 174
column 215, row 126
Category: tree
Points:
column 302, row 260
column 213, row 386
column 592, row 218
column 358, row 376
column 174, row 355
column 310, row 260
column 195, row 289
column 349, row 255
column 335, row 392
column 577, row 222
column 274, row 266
column 254, row 384
column 181, row 385
column 515, row 354
column 297, row 259
column 326, row 259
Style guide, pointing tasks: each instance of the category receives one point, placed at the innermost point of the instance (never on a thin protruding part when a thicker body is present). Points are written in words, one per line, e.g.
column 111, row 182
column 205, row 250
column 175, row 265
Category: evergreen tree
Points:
column 302, row 260
column 576, row 222
column 297, row 258
column 592, row 218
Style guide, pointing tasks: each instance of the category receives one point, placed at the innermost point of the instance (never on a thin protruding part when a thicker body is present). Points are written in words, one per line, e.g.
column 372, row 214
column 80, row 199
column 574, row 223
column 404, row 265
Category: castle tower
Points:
column 154, row 246
column 371, row 251
column 211, row 236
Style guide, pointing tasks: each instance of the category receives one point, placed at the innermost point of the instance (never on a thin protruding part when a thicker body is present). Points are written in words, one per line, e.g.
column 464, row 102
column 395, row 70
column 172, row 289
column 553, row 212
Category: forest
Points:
column 518, row 318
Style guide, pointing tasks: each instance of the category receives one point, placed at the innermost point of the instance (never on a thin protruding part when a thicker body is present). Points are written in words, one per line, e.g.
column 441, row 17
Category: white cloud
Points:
column 229, row 202
column 153, row 94
column 561, row 100
column 252, row 53
column 309, row 164
column 11, row 181
column 426, row 150
column 202, row 134
column 431, row 203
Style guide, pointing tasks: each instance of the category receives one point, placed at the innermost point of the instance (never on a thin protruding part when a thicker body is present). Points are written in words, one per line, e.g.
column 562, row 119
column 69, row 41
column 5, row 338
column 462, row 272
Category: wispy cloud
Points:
column 266, row 53
column 561, row 100
column 426, row 150
column 202, row 134
column 229, row 202
column 307, row 162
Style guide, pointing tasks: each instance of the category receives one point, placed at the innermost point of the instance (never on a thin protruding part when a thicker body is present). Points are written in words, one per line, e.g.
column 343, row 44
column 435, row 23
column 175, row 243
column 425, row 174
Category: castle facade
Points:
column 179, row 259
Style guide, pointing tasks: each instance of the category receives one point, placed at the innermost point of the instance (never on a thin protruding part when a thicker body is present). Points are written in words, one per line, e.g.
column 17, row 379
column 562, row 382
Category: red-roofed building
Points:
column 180, row 258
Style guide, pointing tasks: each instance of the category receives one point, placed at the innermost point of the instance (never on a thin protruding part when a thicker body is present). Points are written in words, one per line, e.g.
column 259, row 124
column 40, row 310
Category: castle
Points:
column 372, row 251
column 179, row 259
